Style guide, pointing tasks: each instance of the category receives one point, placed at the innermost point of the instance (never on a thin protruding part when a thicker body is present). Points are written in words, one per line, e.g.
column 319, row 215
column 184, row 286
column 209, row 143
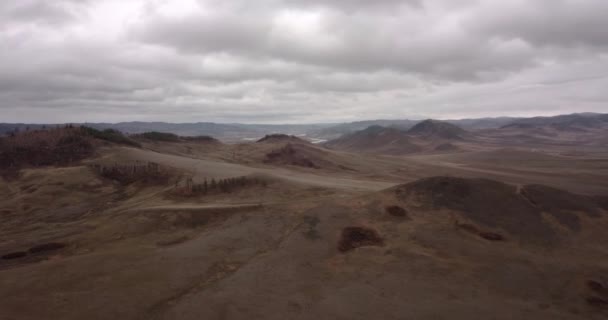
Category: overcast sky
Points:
column 299, row 61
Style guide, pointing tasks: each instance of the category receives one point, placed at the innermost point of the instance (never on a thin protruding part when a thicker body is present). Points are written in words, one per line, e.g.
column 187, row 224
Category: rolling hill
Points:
column 376, row 139
column 101, row 225
column 425, row 136
column 433, row 129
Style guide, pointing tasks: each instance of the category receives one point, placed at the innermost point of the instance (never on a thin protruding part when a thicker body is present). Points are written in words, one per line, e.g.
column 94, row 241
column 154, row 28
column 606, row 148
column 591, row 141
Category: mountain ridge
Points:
column 317, row 131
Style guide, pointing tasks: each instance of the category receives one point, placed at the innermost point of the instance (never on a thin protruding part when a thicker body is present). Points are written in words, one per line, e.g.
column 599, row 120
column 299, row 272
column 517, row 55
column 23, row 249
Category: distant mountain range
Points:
column 425, row 135
column 434, row 136
column 564, row 122
column 375, row 139
column 222, row 131
column 320, row 132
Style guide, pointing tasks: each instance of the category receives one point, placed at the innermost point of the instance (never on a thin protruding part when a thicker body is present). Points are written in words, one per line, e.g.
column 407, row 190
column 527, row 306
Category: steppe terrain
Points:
column 429, row 222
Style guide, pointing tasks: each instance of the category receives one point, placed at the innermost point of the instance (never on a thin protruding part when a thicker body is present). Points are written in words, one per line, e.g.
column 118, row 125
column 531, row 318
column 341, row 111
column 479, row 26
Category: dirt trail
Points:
column 198, row 207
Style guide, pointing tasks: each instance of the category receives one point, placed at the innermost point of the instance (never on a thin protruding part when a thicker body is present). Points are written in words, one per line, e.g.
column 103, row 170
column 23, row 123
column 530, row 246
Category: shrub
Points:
column 150, row 172
column 159, row 136
column 227, row 185
column 205, row 139
column 110, row 135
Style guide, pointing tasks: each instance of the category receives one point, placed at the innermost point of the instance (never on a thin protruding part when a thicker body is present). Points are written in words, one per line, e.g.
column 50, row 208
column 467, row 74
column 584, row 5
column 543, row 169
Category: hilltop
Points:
column 54, row 147
column 278, row 137
column 376, row 139
column 431, row 129
column 426, row 136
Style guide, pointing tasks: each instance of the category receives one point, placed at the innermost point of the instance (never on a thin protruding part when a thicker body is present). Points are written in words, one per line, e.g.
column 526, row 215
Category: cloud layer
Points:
column 299, row 61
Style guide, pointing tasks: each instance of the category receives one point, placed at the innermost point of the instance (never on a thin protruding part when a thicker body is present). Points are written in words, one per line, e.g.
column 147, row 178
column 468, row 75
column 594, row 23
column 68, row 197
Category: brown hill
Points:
column 568, row 123
column 575, row 130
column 274, row 138
column 437, row 129
column 53, row 147
column 572, row 133
column 307, row 156
column 517, row 211
column 376, row 139
column 296, row 155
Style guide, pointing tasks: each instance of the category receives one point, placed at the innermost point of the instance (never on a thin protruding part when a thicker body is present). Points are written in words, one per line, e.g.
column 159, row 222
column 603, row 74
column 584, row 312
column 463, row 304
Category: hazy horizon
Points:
column 420, row 118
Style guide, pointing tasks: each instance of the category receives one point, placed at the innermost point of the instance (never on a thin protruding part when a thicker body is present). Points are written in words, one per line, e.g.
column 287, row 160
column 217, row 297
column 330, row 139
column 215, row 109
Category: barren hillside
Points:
column 283, row 228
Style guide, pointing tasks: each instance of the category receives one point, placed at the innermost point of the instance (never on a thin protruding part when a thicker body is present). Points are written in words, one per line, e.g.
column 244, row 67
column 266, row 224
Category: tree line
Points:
column 149, row 172
column 213, row 185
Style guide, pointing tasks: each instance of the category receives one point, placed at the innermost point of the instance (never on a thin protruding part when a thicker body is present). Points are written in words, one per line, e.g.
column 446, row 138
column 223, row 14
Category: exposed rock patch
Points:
column 597, row 293
column 396, row 211
column 491, row 236
column 46, row 247
column 32, row 255
column 355, row 237
column 14, row 255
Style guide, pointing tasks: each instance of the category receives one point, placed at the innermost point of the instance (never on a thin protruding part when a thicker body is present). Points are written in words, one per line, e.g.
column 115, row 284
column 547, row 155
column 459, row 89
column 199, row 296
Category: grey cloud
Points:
column 358, row 42
column 300, row 61
column 561, row 23
column 51, row 13
column 218, row 33
column 356, row 5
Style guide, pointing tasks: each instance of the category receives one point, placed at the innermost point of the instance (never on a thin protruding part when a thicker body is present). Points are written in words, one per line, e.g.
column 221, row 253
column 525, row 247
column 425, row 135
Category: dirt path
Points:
column 198, row 207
